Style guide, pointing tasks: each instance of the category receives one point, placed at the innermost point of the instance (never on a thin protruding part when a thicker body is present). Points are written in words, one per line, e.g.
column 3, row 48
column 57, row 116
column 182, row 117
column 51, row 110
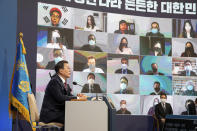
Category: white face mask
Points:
column 123, row 86
column 188, row 68
column 92, row 42
column 163, row 100
column 123, row 106
column 91, row 81
column 124, row 66
column 58, row 59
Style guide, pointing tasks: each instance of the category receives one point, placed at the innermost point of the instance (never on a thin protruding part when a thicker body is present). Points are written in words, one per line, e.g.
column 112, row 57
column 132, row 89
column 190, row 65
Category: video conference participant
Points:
column 56, row 93
column 156, row 87
column 156, row 49
column 190, row 91
column 124, row 89
column 123, row 28
column 124, row 67
column 162, row 109
column 123, row 47
column 154, row 70
column 155, row 31
column 188, row 30
column 90, row 25
column 123, row 109
column 91, row 87
column 187, row 69
column 56, row 15
column 196, row 105
column 189, row 50
column 151, row 111
column 92, row 66
column 190, row 108
column 91, row 46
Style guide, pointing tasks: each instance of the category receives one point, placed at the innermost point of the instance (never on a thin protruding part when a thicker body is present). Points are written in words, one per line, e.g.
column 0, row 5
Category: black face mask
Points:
column 123, row 44
column 154, row 69
column 188, row 49
column 157, row 49
column 157, row 89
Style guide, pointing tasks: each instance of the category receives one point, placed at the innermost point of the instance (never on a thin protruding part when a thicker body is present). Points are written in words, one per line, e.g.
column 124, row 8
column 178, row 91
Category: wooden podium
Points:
column 86, row 116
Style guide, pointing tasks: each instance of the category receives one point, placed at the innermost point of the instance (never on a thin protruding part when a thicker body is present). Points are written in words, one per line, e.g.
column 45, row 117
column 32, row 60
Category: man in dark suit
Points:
column 154, row 70
column 187, row 69
column 91, row 87
column 124, row 69
column 162, row 109
column 56, row 93
column 123, row 109
column 124, row 89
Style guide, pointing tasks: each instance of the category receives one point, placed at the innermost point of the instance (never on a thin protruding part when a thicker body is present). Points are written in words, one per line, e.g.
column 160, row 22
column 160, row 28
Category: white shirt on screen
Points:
column 97, row 70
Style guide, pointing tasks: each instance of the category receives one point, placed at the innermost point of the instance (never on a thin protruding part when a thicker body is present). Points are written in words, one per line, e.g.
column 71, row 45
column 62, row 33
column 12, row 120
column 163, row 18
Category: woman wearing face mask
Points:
column 124, row 89
column 157, row 49
column 90, row 25
column 123, row 47
column 190, row 108
column 189, row 50
column 155, row 31
column 188, row 31
column 190, row 89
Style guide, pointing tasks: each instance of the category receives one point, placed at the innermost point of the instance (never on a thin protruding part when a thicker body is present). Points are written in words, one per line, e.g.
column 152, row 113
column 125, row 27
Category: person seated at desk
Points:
column 56, row 93
column 162, row 109
column 91, row 46
column 187, row 69
column 90, row 25
column 190, row 108
column 124, row 89
column 123, row 109
column 123, row 28
column 124, row 67
column 156, row 87
column 189, row 50
column 154, row 70
column 155, row 31
column 190, row 89
column 123, row 47
column 91, row 87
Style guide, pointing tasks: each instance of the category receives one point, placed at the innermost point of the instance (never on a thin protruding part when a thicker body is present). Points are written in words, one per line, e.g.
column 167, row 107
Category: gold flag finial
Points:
column 21, row 40
column 21, row 35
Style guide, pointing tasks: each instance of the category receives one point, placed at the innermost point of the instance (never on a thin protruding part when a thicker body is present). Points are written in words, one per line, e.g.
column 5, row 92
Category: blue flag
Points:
column 20, row 84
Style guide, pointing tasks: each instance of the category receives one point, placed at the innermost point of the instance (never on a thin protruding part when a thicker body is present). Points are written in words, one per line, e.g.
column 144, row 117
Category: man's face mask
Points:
column 58, row 59
column 154, row 30
column 92, row 42
column 190, row 87
column 188, row 68
column 163, row 100
column 91, row 66
column 123, row 106
column 124, row 66
column 157, row 88
column 91, row 81
column 123, row 86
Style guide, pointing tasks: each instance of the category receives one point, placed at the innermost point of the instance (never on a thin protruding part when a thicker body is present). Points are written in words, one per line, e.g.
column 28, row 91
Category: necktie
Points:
column 164, row 107
column 65, row 86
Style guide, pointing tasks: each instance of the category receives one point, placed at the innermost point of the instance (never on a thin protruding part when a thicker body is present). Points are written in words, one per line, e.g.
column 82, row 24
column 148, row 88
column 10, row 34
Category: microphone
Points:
column 75, row 83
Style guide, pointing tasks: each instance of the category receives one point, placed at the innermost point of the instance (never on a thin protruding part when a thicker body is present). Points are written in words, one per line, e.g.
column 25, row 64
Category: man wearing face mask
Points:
column 123, row 109
column 155, row 31
column 91, row 87
column 91, row 46
column 156, row 87
column 157, row 49
column 154, row 70
column 151, row 111
column 190, row 89
column 124, row 89
column 187, row 69
column 92, row 66
column 124, row 67
column 162, row 109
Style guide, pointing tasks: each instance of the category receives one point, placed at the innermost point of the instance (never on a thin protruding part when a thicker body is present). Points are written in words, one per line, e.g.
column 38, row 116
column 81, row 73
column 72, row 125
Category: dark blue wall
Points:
column 8, row 22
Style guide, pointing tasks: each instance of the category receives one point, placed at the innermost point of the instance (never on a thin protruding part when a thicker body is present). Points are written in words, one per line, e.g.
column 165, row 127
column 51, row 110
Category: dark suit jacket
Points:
column 159, row 111
column 50, row 65
column 123, row 112
column 183, row 73
column 94, row 89
column 153, row 93
column 88, row 48
column 53, row 106
column 126, row 91
column 120, row 71
column 131, row 32
column 158, row 34
column 151, row 73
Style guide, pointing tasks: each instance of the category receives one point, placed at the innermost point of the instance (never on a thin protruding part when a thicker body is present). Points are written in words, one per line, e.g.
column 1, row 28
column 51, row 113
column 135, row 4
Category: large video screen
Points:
column 127, row 58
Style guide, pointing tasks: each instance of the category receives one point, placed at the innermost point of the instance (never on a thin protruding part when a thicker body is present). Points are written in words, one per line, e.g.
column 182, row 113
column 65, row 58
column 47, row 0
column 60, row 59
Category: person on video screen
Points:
column 124, row 67
column 151, row 110
column 91, row 86
column 196, row 105
column 123, row 47
column 189, row 50
column 55, row 15
column 157, row 90
column 190, row 89
column 92, row 66
column 123, row 109
column 123, row 28
column 91, row 46
column 124, row 89
column 155, row 31
column 190, row 108
column 154, row 70
column 188, row 30
column 162, row 109
column 90, row 25
column 156, row 49
column 187, row 69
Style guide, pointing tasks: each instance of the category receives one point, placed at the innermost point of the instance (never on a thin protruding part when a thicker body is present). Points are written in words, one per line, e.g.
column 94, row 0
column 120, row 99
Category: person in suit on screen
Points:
column 91, row 87
column 56, row 93
column 189, row 50
column 162, row 109
column 124, row 67
column 187, row 69
column 124, row 89
column 91, row 46
column 154, row 70
column 155, row 31
column 123, row 109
